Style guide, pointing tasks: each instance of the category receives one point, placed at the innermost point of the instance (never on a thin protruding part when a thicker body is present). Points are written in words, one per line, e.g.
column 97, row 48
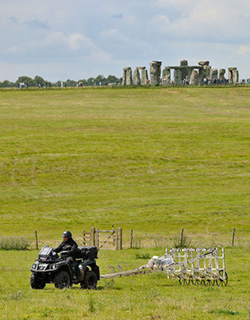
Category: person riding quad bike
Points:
column 74, row 265
column 68, row 248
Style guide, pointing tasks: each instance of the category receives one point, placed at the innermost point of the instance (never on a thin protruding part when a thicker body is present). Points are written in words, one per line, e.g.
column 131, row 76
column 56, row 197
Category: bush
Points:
column 14, row 243
column 181, row 242
column 142, row 256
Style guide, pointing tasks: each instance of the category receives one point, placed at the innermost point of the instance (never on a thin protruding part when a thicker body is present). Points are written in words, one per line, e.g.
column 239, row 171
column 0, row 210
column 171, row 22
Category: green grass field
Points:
column 152, row 159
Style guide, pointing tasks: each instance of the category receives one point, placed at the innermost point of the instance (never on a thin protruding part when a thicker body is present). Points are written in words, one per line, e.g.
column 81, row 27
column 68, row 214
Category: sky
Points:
column 79, row 39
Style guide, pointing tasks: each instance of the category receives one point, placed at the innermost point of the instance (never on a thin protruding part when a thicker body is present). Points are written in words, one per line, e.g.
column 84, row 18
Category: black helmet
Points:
column 67, row 234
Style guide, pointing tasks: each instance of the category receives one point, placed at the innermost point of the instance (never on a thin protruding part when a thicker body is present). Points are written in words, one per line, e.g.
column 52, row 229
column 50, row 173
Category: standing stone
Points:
column 221, row 75
column 214, row 76
column 155, row 72
column 178, row 76
column 136, row 77
column 208, row 72
column 194, row 79
column 230, row 75
column 184, row 70
column 166, row 76
column 236, row 76
column 202, row 76
column 233, row 75
column 127, row 77
column 144, row 76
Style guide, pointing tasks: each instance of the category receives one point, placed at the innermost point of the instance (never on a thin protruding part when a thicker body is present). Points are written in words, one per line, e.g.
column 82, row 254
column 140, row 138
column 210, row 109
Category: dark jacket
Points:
column 70, row 246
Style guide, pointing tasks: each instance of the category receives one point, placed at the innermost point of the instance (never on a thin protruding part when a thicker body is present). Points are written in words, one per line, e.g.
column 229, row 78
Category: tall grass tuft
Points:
column 14, row 243
column 91, row 307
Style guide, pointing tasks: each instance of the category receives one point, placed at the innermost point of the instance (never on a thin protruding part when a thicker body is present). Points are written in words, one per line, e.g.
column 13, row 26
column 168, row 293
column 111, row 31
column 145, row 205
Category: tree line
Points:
column 38, row 81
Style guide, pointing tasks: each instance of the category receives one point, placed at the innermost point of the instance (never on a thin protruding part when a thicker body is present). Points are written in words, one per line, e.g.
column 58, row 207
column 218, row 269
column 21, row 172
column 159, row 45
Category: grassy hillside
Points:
column 154, row 159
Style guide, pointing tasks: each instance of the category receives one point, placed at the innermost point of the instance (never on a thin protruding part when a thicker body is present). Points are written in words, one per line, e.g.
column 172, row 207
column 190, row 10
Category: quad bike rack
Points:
column 190, row 266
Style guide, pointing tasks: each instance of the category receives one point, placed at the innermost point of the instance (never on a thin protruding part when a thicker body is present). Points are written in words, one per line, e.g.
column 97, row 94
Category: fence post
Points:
column 131, row 238
column 36, row 240
column 83, row 237
column 92, row 237
column 97, row 238
column 116, row 238
column 182, row 235
column 120, row 247
column 233, row 237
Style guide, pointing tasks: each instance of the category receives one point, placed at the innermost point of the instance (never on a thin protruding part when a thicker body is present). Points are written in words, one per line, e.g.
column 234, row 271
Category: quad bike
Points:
column 50, row 268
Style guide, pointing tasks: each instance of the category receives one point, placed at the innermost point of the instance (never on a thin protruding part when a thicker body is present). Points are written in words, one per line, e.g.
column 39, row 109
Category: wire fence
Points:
column 132, row 239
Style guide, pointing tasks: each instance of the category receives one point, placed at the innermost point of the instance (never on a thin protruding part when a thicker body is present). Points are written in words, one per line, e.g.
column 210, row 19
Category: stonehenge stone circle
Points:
column 184, row 74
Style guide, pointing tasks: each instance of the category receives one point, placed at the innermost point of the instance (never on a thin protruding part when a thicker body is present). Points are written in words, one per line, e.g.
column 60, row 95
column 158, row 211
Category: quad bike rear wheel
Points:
column 90, row 280
column 62, row 280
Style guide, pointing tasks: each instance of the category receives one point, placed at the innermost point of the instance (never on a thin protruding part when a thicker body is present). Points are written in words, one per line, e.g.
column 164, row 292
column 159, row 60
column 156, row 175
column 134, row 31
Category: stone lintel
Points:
column 183, row 67
column 156, row 62
column 203, row 63
column 141, row 68
column 127, row 68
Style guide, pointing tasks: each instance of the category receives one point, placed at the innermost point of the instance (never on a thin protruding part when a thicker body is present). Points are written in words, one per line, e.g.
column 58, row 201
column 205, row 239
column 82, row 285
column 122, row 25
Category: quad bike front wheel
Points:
column 36, row 283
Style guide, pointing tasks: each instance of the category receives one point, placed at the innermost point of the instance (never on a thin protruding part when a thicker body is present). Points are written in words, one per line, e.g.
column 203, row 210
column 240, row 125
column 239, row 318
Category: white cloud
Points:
column 244, row 50
column 74, row 41
column 108, row 35
column 209, row 20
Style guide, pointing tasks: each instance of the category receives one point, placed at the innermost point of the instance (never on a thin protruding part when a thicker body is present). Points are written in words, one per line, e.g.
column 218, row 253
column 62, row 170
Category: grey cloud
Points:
column 37, row 24
column 117, row 16
column 14, row 20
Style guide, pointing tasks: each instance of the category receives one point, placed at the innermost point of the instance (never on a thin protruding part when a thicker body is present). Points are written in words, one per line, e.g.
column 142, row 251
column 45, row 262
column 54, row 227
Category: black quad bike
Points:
column 50, row 268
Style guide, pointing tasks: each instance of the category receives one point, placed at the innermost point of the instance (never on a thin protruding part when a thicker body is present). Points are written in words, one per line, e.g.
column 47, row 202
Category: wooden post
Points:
column 182, row 235
column 97, row 238
column 92, row 237
column 116, row 239
column 120, row 248
column 233, row 237
column 131, row 238
column 36, row 240
column 83, row 237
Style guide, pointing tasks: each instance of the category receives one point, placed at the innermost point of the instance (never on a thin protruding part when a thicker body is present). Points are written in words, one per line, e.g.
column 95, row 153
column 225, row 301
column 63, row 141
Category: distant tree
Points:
column 7, row 84
column 112, row 79
column 83, row 81
column 70, row 83
column 57, row 84
column 29, row 82
column 90, row 81
column 39, row 81
column 99, row 80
